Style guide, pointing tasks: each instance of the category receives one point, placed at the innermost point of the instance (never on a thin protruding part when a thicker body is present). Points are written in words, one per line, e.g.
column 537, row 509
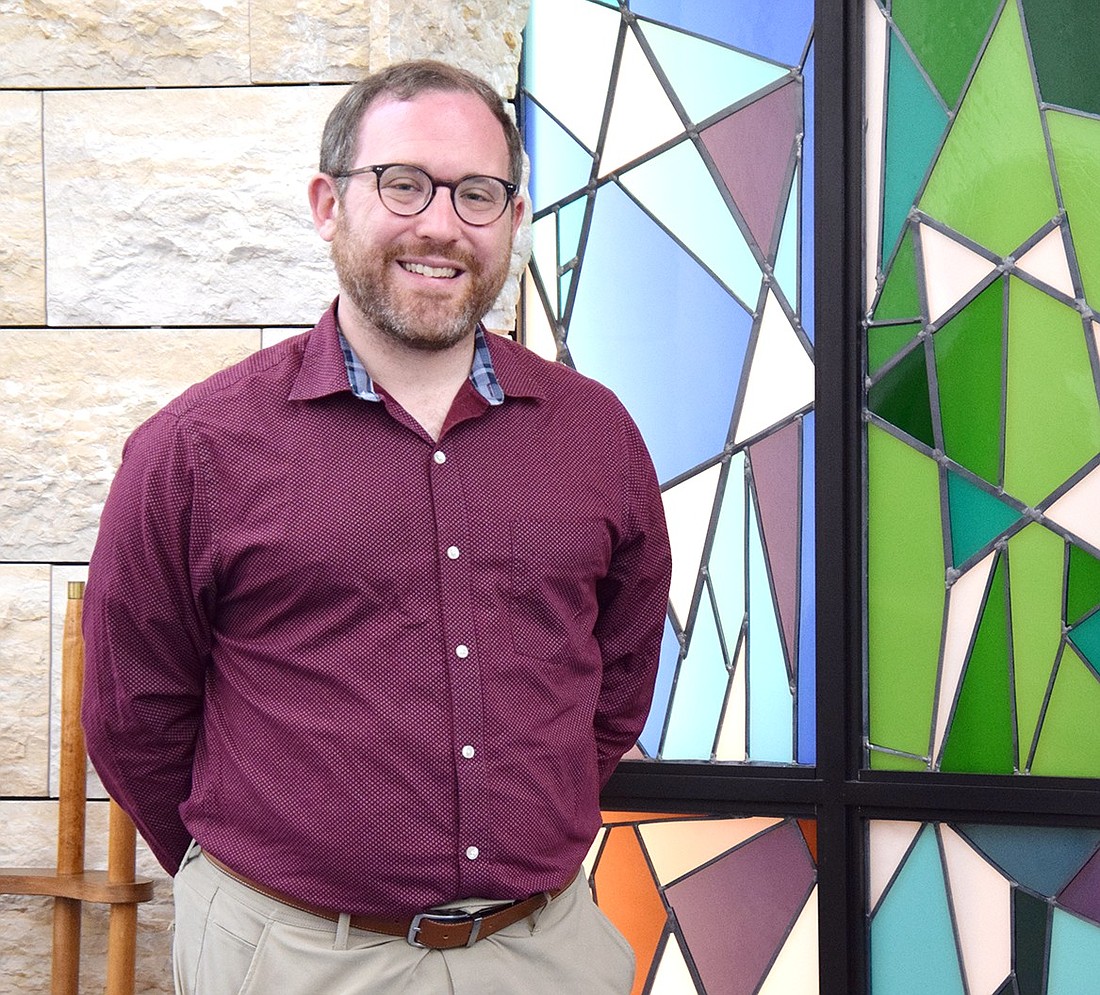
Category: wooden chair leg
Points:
column 122, row 929
column 71, row 806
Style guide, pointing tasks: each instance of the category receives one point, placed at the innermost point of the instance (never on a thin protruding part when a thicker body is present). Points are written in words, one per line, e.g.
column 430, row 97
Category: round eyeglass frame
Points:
column 510, row 190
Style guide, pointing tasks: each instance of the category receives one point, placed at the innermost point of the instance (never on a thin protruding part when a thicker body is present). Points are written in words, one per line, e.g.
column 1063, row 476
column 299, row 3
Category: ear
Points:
column 324, row 202
column 519, row 205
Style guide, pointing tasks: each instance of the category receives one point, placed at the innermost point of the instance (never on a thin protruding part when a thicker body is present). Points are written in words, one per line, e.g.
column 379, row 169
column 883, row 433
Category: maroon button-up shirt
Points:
column 373, row 671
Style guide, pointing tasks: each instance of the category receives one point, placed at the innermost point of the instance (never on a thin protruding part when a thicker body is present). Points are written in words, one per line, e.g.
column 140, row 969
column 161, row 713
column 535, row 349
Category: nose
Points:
column 438, row 220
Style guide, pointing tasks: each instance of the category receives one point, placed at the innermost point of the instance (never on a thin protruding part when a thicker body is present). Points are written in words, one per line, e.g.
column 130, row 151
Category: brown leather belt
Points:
column 442, row 929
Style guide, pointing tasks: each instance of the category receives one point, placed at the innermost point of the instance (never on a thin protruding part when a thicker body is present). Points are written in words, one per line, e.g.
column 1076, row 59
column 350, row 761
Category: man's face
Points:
column 425, row 280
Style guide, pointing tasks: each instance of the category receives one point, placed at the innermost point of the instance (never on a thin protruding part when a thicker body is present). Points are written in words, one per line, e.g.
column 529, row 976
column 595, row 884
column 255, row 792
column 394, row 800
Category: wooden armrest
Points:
column 88, row 886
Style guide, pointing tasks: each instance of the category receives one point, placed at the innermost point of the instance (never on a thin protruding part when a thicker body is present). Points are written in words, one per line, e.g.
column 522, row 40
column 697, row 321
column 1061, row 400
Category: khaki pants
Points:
column 231, row 940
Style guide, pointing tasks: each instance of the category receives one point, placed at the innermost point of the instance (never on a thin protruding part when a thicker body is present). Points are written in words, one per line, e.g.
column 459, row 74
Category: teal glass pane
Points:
column 977, row 517
column 1042, row 859
column 775, row 30
column 1086, row 637
column 1074, row 954
column 915, row 120
column 633, row 339
column 912, row 942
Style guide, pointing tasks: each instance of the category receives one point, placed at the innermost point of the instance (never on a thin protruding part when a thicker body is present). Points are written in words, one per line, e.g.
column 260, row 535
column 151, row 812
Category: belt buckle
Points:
column 456, row 916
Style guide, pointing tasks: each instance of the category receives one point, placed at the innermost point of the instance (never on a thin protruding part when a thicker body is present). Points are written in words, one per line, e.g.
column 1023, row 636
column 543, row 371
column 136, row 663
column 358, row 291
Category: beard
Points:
column 425, row 321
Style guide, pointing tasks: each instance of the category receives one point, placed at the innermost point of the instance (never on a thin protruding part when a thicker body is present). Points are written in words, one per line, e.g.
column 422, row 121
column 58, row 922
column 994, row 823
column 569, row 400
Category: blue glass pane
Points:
column 559, row 166
column 776, row 29
column 650, row 739
column 785, row 268
column 726, row 563
column 807, row 633
column 770, row 711
column 1041, row 859
column 806, row 297
column 655, row 327
column 707, row 77
column 699, row 693
column 570, row 223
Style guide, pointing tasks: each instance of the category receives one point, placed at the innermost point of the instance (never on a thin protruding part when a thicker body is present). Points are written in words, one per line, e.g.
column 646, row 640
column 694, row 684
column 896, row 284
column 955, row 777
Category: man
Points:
column 373, row 614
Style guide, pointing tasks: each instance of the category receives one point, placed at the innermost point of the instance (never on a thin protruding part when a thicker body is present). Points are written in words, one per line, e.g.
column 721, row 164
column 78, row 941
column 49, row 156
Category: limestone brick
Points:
column 184, row 207
column 96, row 43
column 70, row 400
column 22, row 243
column 30, row 840
column 484, row 36
column 310, row 41
column 24, row 678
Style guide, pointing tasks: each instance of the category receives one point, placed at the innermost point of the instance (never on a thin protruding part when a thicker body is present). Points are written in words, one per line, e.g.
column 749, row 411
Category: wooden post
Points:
column 122, row 929
column 71, row 805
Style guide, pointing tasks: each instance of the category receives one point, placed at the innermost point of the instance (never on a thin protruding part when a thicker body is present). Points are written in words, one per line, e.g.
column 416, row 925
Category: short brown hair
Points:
column 404, row 81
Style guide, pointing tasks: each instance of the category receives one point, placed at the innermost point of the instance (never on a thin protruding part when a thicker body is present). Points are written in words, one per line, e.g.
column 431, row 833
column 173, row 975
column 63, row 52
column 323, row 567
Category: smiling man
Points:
column 373, row 615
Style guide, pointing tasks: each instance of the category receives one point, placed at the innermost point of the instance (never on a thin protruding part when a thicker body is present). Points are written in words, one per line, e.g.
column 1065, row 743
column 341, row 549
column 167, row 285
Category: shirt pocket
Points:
column 556, row 566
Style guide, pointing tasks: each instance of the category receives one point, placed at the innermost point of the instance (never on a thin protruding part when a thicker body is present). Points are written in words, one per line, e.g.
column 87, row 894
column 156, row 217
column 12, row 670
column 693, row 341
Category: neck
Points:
column 423, row 381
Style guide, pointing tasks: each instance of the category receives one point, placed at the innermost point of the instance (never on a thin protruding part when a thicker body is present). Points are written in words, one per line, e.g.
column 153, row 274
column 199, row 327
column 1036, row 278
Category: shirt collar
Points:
column 482, row 376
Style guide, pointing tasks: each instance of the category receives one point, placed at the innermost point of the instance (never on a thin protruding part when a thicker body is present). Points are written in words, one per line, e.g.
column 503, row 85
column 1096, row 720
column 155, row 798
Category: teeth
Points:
column 433, row 271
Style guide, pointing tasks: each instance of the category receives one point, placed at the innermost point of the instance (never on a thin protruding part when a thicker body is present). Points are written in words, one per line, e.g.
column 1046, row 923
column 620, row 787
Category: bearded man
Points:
column 373, row 614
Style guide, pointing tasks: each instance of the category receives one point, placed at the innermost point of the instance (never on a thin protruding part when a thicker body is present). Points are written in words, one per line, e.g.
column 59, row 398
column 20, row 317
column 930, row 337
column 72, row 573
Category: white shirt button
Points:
column 439, row 456
column 472, row 852
column 462, row 651
column 468, row 752
column 452, row 552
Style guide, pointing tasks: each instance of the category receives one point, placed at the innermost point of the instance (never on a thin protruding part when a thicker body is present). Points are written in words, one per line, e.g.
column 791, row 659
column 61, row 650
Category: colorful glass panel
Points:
column 680, row 199
column 980, row 908
column 982, row 395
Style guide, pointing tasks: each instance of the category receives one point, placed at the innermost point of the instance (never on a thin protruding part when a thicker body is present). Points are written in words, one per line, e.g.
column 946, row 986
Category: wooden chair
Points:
column 69, row 883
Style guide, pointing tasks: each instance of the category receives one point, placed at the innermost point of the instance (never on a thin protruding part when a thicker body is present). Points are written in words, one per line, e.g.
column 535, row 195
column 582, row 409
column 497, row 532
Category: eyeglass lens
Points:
column 477, row 200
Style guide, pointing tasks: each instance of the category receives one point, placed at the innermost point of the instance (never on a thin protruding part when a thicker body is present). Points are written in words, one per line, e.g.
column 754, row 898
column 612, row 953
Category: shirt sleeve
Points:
column 633, row 601
column 147, row 633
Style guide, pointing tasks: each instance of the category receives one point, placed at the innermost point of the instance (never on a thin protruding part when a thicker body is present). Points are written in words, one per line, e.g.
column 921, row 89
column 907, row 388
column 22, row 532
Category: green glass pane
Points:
column 912, row 941
column 885, row 341
column 905, row 592
column 1076, row 142
column 969, row 350
column 1029, row 941
column 1086, row 637
column 946, row 36
column 915, row 120
column 980, row 739
column 880, row 760
column 1083, row 584
column 1052, row 419
column 901, row 396
column 977, row 517
column 1064, row 749
column 899, row 298
column 1035, row 561
column 1063, row 37
column 992, row 180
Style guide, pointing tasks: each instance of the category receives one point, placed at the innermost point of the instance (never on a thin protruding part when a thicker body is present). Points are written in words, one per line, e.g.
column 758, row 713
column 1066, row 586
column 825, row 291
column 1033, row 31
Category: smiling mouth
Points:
column 436, row 272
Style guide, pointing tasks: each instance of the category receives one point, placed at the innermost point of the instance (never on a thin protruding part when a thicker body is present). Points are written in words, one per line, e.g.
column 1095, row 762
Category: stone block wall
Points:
column 154, row 156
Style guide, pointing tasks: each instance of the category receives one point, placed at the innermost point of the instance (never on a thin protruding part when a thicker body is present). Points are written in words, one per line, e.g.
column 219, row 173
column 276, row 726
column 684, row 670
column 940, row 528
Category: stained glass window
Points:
column 983, row 422
column 671, row 177
column 967, row 907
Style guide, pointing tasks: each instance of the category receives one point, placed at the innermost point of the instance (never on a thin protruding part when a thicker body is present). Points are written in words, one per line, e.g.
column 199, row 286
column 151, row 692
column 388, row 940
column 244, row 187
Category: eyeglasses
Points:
column 408, row 190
